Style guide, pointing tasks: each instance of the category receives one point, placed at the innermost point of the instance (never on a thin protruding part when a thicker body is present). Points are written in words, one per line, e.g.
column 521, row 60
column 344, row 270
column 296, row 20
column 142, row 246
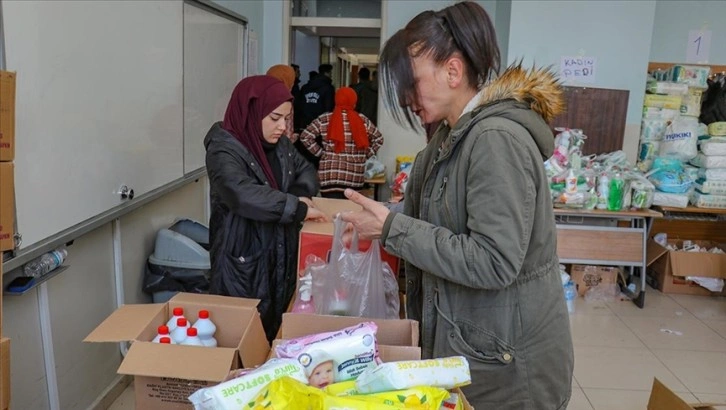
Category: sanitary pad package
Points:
column 446, row 373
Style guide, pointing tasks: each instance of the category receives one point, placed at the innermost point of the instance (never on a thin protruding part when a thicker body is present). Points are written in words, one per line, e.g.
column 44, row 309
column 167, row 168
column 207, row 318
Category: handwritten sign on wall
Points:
column 577, row 70
column 699, row 46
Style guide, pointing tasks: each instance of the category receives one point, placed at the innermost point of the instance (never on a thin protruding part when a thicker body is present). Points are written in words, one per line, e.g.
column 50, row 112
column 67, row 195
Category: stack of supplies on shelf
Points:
column 670, row 132
column 710, row 186
column 606, row 182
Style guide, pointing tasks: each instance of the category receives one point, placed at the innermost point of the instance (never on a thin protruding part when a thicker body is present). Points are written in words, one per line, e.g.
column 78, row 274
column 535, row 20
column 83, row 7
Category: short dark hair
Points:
column 464, row 28
column 325, row 69
column 364, row 74
column 312, row 74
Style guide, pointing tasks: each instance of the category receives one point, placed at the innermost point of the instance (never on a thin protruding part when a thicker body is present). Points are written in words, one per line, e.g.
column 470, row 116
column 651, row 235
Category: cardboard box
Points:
column 317, row 237
column 7, row 206
column 663, row 398
column 670, row 268
column 587, row 277
column 7, row 116
column 4, row 373
column 165, row 375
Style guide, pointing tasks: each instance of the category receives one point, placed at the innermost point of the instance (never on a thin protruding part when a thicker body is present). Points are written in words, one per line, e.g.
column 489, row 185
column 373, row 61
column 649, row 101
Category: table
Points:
column 377, row 182
column 598, row 237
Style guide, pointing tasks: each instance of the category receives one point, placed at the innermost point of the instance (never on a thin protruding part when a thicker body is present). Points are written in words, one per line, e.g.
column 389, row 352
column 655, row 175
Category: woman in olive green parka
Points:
column 477, row 232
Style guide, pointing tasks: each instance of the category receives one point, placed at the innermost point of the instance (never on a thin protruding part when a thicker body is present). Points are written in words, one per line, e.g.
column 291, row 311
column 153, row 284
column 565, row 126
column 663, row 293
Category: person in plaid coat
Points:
column 349, row 139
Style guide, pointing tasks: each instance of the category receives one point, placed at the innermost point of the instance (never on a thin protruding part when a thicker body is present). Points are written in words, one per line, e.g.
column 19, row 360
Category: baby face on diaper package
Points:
column 334, row 356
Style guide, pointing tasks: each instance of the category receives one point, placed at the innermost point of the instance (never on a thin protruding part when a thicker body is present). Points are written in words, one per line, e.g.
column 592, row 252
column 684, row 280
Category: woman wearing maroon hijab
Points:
column 260, row 195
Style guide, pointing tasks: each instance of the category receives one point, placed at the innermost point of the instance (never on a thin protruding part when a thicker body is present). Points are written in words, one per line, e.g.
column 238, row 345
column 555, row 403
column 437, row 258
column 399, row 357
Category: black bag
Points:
column 713, row 108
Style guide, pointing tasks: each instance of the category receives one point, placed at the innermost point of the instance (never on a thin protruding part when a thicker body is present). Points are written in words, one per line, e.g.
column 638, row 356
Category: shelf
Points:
column 644, row 213
column 693, row 210
column 37, row 283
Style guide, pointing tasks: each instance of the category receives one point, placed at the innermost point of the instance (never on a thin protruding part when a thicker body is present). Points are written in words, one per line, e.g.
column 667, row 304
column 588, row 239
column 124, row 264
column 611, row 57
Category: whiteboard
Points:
column 213, row 65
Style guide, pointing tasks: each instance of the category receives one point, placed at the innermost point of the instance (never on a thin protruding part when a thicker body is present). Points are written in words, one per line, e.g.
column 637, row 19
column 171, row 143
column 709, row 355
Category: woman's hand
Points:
column 368, row 222
column 316, row 215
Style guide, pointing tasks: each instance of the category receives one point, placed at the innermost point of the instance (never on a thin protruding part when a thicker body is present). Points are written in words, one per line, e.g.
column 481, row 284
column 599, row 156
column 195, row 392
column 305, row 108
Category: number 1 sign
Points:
column 699, row 46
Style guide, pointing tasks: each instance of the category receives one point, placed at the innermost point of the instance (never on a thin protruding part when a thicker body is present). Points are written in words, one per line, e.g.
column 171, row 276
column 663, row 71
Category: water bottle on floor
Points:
column 570, row 296
column 46, row 263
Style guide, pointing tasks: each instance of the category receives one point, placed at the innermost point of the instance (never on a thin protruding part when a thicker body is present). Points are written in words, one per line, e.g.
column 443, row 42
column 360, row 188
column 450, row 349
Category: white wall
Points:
column 617, row 33
column 306, row 54
column 675, row 18
column 502, row 20
column 271, row 49
column 80, row 298
column 253, row 10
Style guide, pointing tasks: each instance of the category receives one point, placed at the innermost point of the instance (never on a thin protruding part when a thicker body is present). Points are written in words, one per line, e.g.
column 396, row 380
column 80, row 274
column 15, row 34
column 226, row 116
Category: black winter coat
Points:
column 316, row 97
column 253, row 233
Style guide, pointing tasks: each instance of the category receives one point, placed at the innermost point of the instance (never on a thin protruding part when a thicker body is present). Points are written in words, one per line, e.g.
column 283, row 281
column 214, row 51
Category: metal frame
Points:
column 638, row 223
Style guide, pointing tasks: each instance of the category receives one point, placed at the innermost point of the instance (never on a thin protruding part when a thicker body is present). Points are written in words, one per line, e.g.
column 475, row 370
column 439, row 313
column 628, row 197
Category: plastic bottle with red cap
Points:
column 192, row 338
column 206, row 329
column 163, row 331
column 165, row 340
column 180, row 333
column 178, row 313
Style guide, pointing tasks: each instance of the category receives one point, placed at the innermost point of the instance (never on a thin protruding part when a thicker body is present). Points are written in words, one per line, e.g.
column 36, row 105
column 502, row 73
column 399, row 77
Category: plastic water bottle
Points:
column 163, row 331
column 205, row 329
column 45, row 263
column 304, row 303
column 570, row 296
column 603, row 191
column 180, row 333
column 178, row 313
column 192, row 339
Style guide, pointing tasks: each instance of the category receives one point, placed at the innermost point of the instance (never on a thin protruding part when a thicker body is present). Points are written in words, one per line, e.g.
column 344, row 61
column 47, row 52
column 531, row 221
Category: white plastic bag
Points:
column 681, row 139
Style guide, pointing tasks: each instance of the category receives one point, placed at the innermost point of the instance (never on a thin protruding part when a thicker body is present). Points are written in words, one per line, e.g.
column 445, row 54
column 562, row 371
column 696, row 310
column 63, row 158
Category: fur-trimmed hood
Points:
column 531, row 98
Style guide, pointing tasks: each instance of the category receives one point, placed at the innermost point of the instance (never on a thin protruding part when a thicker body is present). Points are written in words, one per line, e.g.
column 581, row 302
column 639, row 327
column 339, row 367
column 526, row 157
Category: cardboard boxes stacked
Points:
column 7, row 210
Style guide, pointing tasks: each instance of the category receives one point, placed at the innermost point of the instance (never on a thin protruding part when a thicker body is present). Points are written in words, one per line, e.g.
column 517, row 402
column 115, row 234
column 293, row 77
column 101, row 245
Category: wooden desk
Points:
column 692, row 223
column 377, row 182
column 594, row 237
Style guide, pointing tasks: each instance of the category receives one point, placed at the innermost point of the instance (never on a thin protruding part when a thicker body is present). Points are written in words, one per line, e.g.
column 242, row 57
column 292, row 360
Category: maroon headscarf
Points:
column 253, row 99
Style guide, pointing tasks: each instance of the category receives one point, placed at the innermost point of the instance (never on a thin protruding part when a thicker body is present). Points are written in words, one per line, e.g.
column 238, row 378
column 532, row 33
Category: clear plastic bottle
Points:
column 304, row 302
column 192, row 339
column 616, row 193
column 206, row 329
column 570, row 296
column 571, row 182
column 180, row 333
column 163, row 331
column 603, row 191
column 178, row 313
column 45, row 263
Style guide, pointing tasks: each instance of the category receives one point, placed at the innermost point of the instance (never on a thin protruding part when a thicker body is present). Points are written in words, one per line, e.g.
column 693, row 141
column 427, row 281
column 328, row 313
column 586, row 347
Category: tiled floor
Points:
column 619, row 348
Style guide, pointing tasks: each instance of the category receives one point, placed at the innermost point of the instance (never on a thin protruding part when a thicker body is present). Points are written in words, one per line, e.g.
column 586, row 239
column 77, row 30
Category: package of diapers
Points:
column 670, row 200
column 709, row 161
column 711, row 187
column 715, row 174
column 334, row 356
column 239, row 392
column 714, row 146
column 702, row 200
column 681, row 139
column 672, row 102
column 446, row 373
column 717, row 128
column 666, row 87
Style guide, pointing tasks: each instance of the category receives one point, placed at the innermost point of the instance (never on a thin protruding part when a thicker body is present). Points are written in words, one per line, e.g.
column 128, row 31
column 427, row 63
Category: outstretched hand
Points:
column 314, row 214
column 369, row 221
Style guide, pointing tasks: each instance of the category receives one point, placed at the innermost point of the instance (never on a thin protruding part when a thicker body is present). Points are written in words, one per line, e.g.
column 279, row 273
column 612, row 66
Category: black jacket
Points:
column 254, row 228
column 316, row 97
column 367, row 104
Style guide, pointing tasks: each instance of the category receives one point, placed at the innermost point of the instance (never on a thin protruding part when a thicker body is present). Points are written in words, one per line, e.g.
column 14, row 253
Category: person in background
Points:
column 318, row 95
column 349, row 139
column 477, row 233
column 367, row 95
column 296, row 86
column 286, row 74
column 260, row 190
